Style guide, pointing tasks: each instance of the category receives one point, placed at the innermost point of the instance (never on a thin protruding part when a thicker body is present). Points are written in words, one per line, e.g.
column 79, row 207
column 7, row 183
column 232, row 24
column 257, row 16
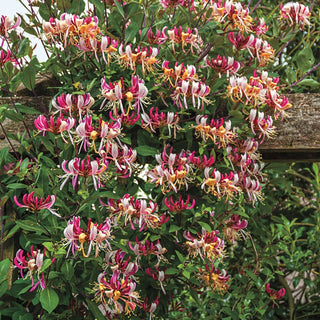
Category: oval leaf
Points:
column 49, row 299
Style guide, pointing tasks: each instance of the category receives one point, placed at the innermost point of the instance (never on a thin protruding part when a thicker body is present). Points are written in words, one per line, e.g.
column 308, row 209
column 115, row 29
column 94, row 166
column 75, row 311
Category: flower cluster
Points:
column 136, row 212
column 95, row 235
column 32, row 263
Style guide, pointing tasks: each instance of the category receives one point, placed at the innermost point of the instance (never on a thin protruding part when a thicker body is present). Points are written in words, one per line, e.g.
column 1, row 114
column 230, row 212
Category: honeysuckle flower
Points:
column 73, row 105
column 159, row 120
column 201, row 162
column 275, row 295
column 116, row 295
column 297, row 14
column 148, row 248
column 149, row 307
column 237, row 17
column 214, row 279
column 32, row 263
column 158, row 275
column 195, row 90
column 84, row 169
column 222, row 65
column 159, row 38
column 136, row 212
column 96, row 235
column 259, row 28
column 233, row 225
column 172, row 172
column 36, row 204
column 122, row 156
column 70, row 28
column 220, row 185
column 6, row 57
column 6, row 25
column 59, row 125
column 189, row 36
column 262, row 124
column 144, row 56
column 71, row 234
column 179, row 205
column 179, row 73
column 85, row 131
column 115, row 261
column 218, row 131
column 256, row 47
column 207, row 244
column 253, row 188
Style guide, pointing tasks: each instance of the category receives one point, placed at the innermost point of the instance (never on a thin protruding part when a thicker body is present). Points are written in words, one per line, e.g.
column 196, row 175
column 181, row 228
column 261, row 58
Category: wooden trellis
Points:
column 298, row 136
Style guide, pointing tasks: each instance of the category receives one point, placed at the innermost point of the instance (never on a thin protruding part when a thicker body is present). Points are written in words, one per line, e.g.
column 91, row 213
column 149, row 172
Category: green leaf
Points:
column 63, row 5
column 68, row 270
column 172, row 271
column 174, row 228
column 29, row 226
column 94, row 308
column 205, row 226
column 119, row 8
column 180, row 256
column 13, row 115
column 17, row 186
column 4, row 156
column 23, row 48
column 4, row 268
column 186, row 273
column 26, row 110
column 309, row 83
column 146, row 150
column 49, row 299
column 28, row 77
column 304, row 59
column 131, row 32
column 3, row 288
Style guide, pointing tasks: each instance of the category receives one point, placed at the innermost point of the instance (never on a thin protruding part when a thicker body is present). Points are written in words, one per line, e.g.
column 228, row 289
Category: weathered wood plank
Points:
column 298, row 136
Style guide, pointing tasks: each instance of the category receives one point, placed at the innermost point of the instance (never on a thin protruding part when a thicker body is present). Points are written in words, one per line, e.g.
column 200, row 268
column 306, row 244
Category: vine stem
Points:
column 1, row 221
column 10, row 143
column 290, row 297
column 305, row 75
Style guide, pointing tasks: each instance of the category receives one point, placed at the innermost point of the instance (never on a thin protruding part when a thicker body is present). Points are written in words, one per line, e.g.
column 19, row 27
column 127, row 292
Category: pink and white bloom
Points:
column 36, row 204
column 32, row 263
column 82, row 168
column 297, row 14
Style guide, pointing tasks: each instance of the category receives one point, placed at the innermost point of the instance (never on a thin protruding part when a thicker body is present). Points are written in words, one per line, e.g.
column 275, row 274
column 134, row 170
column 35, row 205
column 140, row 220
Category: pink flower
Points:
column 296, row 13
column 32, row 263
column 116, row 295
column 84, row 169
column 233, row 226
column 72, row 233
column 179, row 205
column 73, row 105
column 275, row 295
column 6, row 25
column 222, row 65
column 34, row 204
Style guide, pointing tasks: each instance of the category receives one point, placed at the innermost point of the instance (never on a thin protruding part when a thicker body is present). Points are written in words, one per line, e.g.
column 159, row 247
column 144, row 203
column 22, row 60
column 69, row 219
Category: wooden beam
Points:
column 298, row 136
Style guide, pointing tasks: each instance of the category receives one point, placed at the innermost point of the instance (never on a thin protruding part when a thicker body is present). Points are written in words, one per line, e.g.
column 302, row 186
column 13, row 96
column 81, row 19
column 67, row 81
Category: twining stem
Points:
column 290, row 297
column 1, row 222
column 10, row 143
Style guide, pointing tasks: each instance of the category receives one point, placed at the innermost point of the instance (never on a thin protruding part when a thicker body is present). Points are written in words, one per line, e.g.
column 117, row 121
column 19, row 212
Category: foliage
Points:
column 139, row 192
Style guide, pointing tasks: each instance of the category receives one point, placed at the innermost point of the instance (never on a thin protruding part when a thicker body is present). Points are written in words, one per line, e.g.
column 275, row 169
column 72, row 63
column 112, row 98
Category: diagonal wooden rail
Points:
column 298, row 137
